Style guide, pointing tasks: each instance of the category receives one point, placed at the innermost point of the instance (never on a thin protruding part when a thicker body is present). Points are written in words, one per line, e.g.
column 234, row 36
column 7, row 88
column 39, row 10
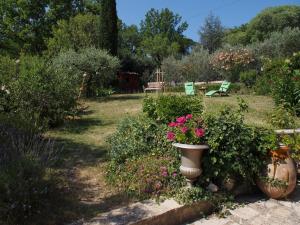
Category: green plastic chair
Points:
column 223, row 90
column 189, row 88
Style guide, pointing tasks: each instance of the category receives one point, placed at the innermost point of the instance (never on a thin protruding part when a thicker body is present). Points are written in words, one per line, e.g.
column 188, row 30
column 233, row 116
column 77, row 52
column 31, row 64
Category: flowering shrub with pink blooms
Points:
column 187, row 130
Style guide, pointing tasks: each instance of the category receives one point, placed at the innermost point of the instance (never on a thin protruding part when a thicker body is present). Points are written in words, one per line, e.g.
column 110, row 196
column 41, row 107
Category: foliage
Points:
column 269, row 69
column 37, row 93
column 193, row 67
column 162, row 34
column 232, row 61
column 190, row 195
column 287, row 83
column 135, row 137
column 187, row 130
column 273, row 19
column 109, row 26
column 27, row 188
column 173, row 69
column 93, row 68
column 236, row 36
column 282, row 117
column 81, row 31
column 211, row 33
column 279, row 44
column 248, row 78
column 196, row 66
column 27, row 24
column 167, row 108
column 235, row 148
column 293, row 142
column 149, row 176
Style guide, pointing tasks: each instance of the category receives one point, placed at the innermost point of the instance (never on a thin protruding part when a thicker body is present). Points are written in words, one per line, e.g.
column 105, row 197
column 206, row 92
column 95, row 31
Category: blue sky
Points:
column 231, row 12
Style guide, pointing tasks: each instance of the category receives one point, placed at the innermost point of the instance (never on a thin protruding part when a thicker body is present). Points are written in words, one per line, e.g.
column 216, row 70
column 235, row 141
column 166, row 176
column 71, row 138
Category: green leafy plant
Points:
column 282, row 117
column 235, row 149
column 248, row 78
column 166, row 108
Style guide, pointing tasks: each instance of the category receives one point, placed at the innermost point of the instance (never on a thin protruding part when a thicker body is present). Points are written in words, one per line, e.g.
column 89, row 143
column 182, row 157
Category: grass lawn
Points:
column 84, row 152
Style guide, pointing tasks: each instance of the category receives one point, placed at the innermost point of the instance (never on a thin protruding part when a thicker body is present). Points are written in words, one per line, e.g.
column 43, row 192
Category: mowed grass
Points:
column 84, row 153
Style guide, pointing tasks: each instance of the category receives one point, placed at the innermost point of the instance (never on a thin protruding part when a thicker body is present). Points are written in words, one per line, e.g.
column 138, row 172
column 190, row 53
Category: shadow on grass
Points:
column 81, row 125
column 121, row 97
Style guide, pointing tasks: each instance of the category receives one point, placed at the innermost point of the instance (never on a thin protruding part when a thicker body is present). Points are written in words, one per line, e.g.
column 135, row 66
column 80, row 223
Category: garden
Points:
column 75, row 143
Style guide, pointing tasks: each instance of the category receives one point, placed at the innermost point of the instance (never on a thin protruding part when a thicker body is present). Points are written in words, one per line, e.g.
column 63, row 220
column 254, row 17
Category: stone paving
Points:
column 260, row 211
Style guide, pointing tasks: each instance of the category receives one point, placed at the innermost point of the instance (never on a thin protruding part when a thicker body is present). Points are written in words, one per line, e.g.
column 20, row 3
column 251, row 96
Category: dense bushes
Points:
column 37, row 92
column 93, row 68
column 193, row 67
column 166, row 108
column 136, row 136
column 26, row 184
column 235, row 148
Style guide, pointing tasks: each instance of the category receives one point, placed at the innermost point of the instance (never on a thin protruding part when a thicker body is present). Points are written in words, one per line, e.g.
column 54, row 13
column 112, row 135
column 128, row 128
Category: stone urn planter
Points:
column 279, row 178
column 191, row 156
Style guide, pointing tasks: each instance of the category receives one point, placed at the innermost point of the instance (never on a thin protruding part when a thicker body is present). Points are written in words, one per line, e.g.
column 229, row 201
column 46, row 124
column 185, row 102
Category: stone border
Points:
column 179, row 215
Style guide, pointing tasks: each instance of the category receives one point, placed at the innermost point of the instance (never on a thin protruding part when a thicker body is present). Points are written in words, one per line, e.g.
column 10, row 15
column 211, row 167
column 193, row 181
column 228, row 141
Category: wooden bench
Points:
column 154, row 86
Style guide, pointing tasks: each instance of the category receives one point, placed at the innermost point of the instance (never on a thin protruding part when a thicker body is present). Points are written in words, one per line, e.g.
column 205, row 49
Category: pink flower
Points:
column 189, row 116
column 170, row 136
column 199, row 132
column 174, row 174
column 184, row 129
column 164, row 173
column 172, row 124
column 181, row 120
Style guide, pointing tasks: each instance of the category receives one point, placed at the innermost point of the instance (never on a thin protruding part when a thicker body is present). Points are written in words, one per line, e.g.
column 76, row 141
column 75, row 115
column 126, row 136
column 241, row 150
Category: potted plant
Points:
column 279, row 177
column 188, row 134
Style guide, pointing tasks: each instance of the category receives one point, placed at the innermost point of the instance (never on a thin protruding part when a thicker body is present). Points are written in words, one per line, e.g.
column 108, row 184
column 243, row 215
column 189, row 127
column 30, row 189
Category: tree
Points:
column 25, row 25
column 211, row 33
column 162, row 34
column 79, row 32
column 129, row 40
column 273, row 19
column 109, row 26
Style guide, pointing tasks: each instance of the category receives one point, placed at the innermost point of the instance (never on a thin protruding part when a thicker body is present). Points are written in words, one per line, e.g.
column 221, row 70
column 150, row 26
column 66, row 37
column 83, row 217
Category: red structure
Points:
column 129, row 82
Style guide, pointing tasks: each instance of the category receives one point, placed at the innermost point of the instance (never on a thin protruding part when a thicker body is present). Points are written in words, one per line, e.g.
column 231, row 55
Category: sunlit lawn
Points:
column 85, row 147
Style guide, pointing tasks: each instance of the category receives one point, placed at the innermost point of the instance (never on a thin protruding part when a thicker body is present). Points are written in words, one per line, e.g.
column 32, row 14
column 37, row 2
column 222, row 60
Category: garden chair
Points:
column 223, row 90
column 189, row 88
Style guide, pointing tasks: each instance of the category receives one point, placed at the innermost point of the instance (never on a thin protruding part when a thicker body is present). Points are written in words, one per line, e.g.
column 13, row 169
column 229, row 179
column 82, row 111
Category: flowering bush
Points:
column 187, row 130
column 231, row 62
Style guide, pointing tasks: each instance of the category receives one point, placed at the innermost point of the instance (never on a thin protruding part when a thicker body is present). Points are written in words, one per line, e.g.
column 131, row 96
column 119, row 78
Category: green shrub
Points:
column 166, row 108
column 149, row 176
column 282, row 118
column 248, row 78
column 93, row 68
column 137, row 136
column 287, row 83
column 265, row 80
column 26, row 184
column 40, row 93
column 235, row 148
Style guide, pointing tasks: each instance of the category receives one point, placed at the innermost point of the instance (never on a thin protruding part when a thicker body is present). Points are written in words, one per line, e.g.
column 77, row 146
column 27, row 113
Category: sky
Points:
column 231, row 12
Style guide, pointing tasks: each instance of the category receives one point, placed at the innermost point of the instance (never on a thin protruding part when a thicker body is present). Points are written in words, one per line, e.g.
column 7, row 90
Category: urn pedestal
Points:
column 191, row 156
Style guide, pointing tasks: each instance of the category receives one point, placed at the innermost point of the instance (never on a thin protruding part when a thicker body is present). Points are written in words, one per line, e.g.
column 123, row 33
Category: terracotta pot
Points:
column 191, row 161
column 283, row 170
